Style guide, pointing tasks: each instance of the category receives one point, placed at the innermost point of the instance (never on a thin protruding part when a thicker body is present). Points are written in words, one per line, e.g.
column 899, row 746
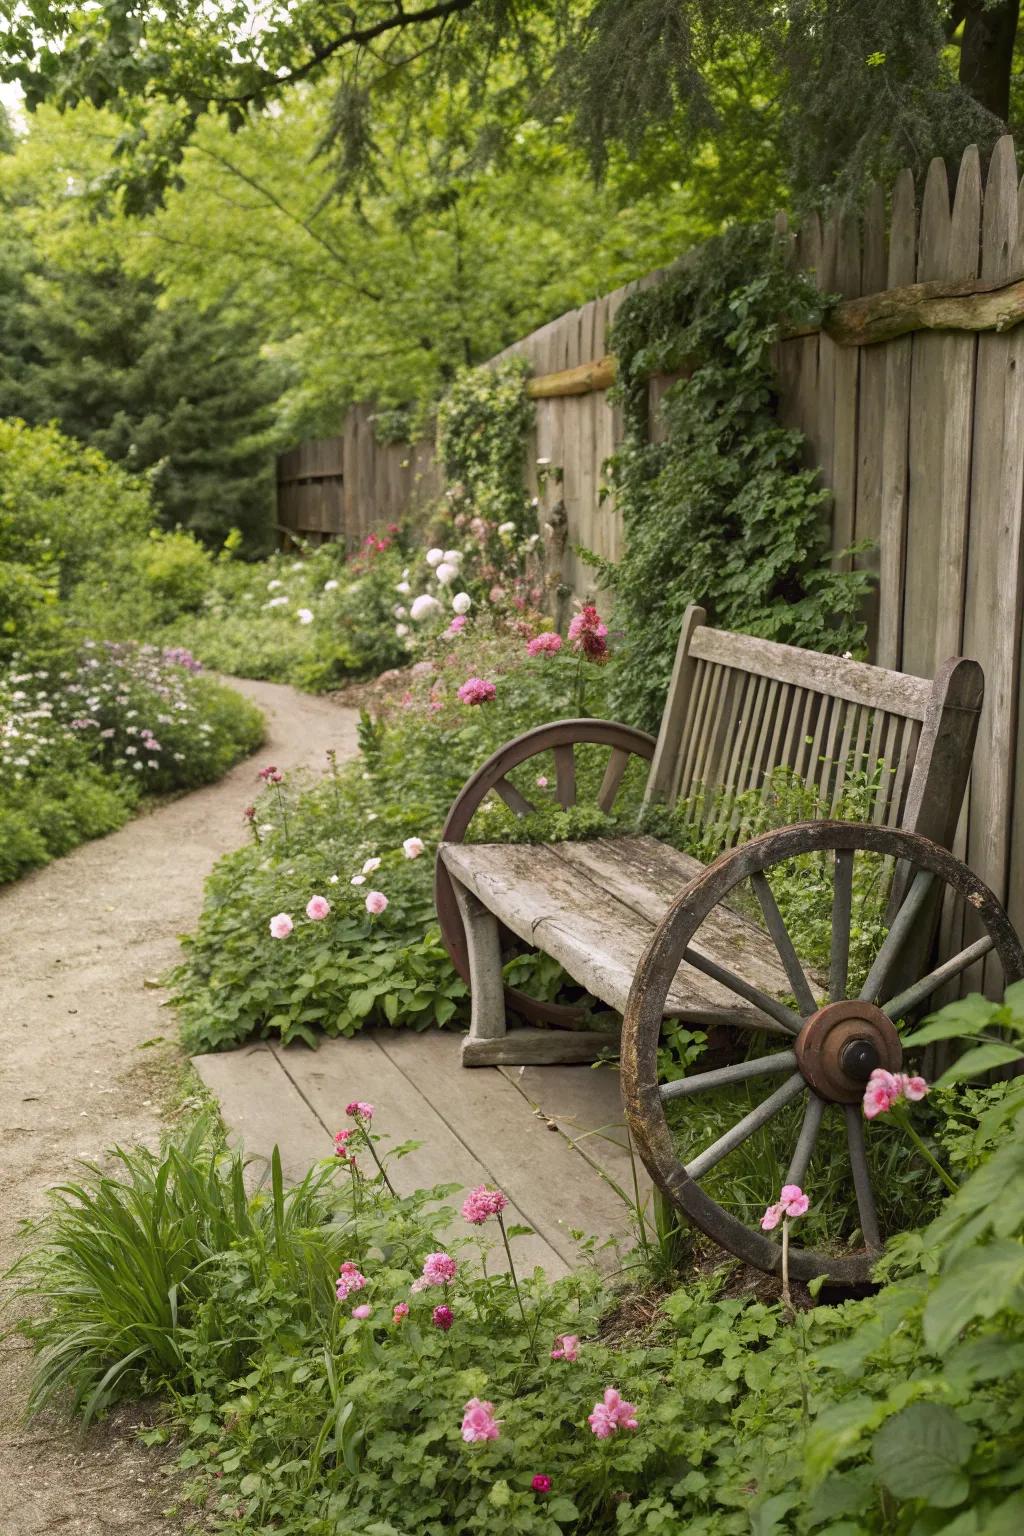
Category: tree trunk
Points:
column 986, row 52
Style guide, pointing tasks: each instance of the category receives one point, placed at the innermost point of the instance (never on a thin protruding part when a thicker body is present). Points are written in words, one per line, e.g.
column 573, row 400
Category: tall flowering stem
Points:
column 902, row 1119
column 512, row 1269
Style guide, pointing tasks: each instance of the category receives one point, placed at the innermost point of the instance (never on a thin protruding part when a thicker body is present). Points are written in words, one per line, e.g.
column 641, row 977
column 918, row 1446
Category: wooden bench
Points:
column 738, row 708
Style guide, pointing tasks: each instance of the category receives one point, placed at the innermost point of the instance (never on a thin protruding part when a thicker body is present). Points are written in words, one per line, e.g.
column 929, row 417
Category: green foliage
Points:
column 45, row 817
column 721, row 511
column 63, row 510
column 896, row 1415
column 351, row 969
column 176, row 394
column 482, row 423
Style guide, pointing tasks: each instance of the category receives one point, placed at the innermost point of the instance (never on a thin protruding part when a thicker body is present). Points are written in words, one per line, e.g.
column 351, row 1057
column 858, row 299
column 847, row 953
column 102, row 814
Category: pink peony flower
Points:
column 914, row 1088
column 481, row 1203
column 771, row 1218
column 476, row 690
column 541, row 1483
column 400, row 1310
column 362, row 1312
column 317, row 908
column 567, row 1347
column 478, row 1421
column 349, row 1279
column 588, row 634
column 359, row 1110
column 442, row 1317
column 281, row 925
column 542, row 781
column 412, row 847
column 793, row 1200
column 546, row 644
column 376, row 903
column 439, row 1268
column 612, row 1414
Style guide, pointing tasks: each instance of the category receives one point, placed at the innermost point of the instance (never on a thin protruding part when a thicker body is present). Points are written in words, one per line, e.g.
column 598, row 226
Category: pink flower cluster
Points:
column 588, row 634
column 481, row 1203
column 271, row 775
column 884, row 1089
column 442, row 1317
column 439, row 1269
column 341, row 1147
column 478, row 1422
column 791, row 1202
column 567, row 1347
column 612, row 1414
column 349, row 1279
column 359, row 1110
column 476, row 690
column 544, row 645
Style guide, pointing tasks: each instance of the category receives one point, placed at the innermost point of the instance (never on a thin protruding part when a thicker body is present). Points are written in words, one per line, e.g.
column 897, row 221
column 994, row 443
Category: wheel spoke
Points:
column 906, row 1002
column 762, row 1066
column 902, row 924
column 746, row 1127
column 842, row 907
column 565, row 775
column 805, row 1141
column 513, row 799
column 861, row 1178
column 780, row 1012
column 613, row 775
column 805, row 998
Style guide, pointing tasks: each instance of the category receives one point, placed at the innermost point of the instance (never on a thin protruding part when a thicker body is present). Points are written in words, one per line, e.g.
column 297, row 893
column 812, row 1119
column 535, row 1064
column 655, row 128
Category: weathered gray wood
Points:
column 857, row 681
column 871, row 411
column 661, row 781
column 487, row 997
column 597, row 938
column 847, row 372
column 927, row 440
column 902, row 241
column 532, row 1047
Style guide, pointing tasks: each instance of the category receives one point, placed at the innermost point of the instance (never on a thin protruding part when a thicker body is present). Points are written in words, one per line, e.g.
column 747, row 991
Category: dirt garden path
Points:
column 79, row 942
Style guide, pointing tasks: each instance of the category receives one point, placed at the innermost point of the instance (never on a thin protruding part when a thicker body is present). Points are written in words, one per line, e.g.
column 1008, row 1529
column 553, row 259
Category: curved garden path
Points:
column 80, row 943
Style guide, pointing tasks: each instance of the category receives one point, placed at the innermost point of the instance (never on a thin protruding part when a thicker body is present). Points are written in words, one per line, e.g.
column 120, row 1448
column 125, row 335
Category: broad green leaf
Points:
column 920, row 1452
column 981, row 1283
column 981, row 1059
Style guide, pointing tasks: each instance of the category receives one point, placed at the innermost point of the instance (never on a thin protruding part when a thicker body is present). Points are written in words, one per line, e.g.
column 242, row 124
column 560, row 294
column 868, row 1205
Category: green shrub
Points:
column 901, row 1413
column 175, row 570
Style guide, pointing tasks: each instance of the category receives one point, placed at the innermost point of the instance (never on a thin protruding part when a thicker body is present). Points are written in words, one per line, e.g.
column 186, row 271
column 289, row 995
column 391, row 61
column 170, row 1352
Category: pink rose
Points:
column 611, row 1414
column 362, row 1312
column 412, row 847
column 481, row 1203
column 376, row 902
column 439, row 1268
column 317, row 908
column 359, row 1110
column 281, row 925
column 478, row 1421
column 476, row 690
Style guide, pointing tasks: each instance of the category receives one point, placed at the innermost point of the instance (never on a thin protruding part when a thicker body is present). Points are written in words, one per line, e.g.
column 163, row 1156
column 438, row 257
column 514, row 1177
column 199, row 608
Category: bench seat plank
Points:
column 594, row 906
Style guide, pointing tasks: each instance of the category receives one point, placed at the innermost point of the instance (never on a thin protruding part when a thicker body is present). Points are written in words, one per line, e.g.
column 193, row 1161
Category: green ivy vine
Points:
column 722, row 511
column 482, row 423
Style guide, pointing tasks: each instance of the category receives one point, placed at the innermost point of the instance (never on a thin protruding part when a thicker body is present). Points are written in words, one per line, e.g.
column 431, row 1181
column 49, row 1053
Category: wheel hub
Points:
column 842, row 1044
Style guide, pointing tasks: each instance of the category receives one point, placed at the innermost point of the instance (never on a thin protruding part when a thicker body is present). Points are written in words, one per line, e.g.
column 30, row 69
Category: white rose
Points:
column 446, row 573
column 462, row 602
column 435, row 556
column 371, row 865
column 272, row 586
column 506, row 527
column 412, row 847
column 400, row 612
column 404, row 588
column 453, row 556
column 423, row 606
column 304, row 616
column 330, row 586
column 401, row 630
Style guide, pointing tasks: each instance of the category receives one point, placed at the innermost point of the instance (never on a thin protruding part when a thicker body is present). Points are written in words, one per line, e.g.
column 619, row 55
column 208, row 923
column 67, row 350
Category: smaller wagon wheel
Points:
column 836, row 1043
column 560, row 738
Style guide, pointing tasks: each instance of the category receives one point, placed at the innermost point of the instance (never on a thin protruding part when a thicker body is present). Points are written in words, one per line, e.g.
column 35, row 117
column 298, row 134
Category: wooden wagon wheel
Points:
column 560, row 738
column 835, row 1045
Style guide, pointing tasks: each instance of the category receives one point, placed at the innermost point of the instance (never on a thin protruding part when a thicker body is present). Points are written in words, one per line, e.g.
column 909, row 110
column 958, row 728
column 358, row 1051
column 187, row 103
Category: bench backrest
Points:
column 739, row 707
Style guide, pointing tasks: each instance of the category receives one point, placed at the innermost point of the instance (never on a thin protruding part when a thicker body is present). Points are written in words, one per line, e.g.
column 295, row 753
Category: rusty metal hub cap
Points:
column 841, row 1045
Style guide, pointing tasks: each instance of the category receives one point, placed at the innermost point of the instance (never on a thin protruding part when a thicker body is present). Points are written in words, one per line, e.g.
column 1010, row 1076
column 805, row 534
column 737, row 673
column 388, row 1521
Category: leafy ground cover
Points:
column 332, row 1357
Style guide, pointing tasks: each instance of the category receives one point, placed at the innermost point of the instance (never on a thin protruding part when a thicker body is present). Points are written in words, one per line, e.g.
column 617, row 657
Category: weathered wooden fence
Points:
column 343, row 487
